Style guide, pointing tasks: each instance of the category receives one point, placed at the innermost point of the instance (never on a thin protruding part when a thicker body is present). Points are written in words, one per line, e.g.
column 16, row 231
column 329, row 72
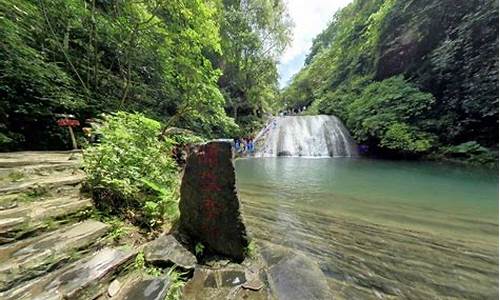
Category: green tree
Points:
column 446, row 48
column 91, row 56
column 253, row 34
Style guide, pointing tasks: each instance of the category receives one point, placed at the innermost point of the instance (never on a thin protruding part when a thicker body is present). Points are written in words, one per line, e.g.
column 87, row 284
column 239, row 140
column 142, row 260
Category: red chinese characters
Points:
column 209, row 155
column 68, row 122
column 210, row 208
column 210, row 187
column 209, row 181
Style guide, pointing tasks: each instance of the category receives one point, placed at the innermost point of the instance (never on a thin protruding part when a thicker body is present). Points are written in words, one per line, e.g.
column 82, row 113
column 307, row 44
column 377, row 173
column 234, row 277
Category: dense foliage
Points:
column 131, row 170
column 253, row 35
column 163, row 58
column 408, row 77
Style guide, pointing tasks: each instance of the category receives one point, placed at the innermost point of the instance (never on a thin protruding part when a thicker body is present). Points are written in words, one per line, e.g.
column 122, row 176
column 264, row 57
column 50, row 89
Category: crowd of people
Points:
column 244, row 145
column 292, row 111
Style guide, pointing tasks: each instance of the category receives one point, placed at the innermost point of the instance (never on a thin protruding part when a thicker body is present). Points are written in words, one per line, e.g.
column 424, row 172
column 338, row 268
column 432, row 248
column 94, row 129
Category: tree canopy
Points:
column 179, row 61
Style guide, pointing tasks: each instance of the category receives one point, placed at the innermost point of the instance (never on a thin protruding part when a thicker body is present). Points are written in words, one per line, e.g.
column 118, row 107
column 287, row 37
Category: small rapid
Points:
column 305, row 136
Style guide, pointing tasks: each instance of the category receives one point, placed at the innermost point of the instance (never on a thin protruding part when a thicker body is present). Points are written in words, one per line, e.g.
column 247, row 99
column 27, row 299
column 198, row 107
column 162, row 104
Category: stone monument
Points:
column 209, row 205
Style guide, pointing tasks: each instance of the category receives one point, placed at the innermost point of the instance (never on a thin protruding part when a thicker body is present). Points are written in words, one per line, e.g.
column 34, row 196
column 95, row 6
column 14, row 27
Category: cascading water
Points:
column 310, row 136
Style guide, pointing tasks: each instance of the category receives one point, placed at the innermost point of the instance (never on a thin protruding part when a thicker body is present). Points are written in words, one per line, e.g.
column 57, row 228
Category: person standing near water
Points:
column 251, row 145
column 236, row 144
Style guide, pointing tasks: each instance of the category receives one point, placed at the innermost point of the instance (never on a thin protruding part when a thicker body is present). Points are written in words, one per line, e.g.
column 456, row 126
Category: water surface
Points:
column 380, row 229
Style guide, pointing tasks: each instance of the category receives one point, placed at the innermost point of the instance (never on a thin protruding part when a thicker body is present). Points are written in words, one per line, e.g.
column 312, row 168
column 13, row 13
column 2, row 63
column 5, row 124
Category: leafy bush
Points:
column 401, row 136
column 472, row 152
column 131, row 171
column 390, row 112
column 447, row 48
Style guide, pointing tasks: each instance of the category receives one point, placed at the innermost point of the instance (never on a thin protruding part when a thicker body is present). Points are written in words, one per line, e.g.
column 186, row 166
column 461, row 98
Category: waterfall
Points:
column 309, row 136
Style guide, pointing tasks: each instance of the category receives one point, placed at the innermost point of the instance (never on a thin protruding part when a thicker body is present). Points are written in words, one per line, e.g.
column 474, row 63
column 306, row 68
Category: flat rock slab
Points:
column 292, row 275
column 30, row 257
column 31, row 214
column 166, row 251
column 74, row 281
column 24, row 158
column 38, row 169
column 224, row 283
column 147, row 289
column 232, row 281
column 209, row 205
column 44, row 182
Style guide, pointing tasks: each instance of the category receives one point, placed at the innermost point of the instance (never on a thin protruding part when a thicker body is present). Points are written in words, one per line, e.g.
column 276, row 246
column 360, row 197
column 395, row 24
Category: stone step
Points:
column 31, row 257
column 83, row 279
column 19, row 173
column 30, row 216
column 25, row 158
column 42, row 184
column 10, row 201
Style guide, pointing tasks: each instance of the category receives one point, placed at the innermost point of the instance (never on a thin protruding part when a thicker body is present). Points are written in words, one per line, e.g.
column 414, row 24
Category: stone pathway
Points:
column 48, row 249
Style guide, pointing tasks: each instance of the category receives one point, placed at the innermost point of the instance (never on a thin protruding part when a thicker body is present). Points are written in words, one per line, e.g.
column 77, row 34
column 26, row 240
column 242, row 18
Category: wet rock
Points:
column 255, row 284
column 232, row 277
column 209, row 205
column 19, row 259
column 233, row 281
column 284, row 153
column 292, row 275
column 166, row 250
column 149, row 289
column 225, row 277
column 225, row 283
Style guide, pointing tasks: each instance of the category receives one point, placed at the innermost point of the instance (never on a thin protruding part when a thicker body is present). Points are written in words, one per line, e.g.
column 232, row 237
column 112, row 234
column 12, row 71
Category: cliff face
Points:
column 447, row 48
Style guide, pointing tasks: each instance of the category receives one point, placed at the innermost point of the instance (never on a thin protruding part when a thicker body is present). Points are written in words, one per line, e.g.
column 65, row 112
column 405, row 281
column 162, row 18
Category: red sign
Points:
column 68, row 122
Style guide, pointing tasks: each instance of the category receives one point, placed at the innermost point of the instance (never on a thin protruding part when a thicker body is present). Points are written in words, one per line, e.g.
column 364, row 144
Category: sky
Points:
column 310, row 18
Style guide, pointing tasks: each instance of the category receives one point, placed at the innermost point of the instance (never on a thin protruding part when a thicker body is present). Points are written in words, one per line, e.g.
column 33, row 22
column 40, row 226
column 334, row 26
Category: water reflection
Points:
column 380, row 228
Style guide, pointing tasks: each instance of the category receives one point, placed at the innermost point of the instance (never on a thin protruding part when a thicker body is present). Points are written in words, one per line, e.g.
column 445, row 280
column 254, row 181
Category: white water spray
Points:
column 309, row 136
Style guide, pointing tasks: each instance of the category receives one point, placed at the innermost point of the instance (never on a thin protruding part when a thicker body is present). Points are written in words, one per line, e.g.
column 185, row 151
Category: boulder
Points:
column 166, row 250
column 285, row 153
column 209, row 205
column 292, row 275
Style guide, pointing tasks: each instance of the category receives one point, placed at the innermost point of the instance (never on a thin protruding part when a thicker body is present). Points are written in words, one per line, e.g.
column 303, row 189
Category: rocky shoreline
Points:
column 53, row 247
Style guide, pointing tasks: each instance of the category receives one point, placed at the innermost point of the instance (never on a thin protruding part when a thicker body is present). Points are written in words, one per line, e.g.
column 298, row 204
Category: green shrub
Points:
column 131, row 171
column 390, row 112
column 404, row 137
column 472, row 152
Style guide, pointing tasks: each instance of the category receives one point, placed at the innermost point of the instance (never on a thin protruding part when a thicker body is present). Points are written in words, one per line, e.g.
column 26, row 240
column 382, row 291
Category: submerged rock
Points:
column 166, row 250
column 292, row 275
column 209, row 205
